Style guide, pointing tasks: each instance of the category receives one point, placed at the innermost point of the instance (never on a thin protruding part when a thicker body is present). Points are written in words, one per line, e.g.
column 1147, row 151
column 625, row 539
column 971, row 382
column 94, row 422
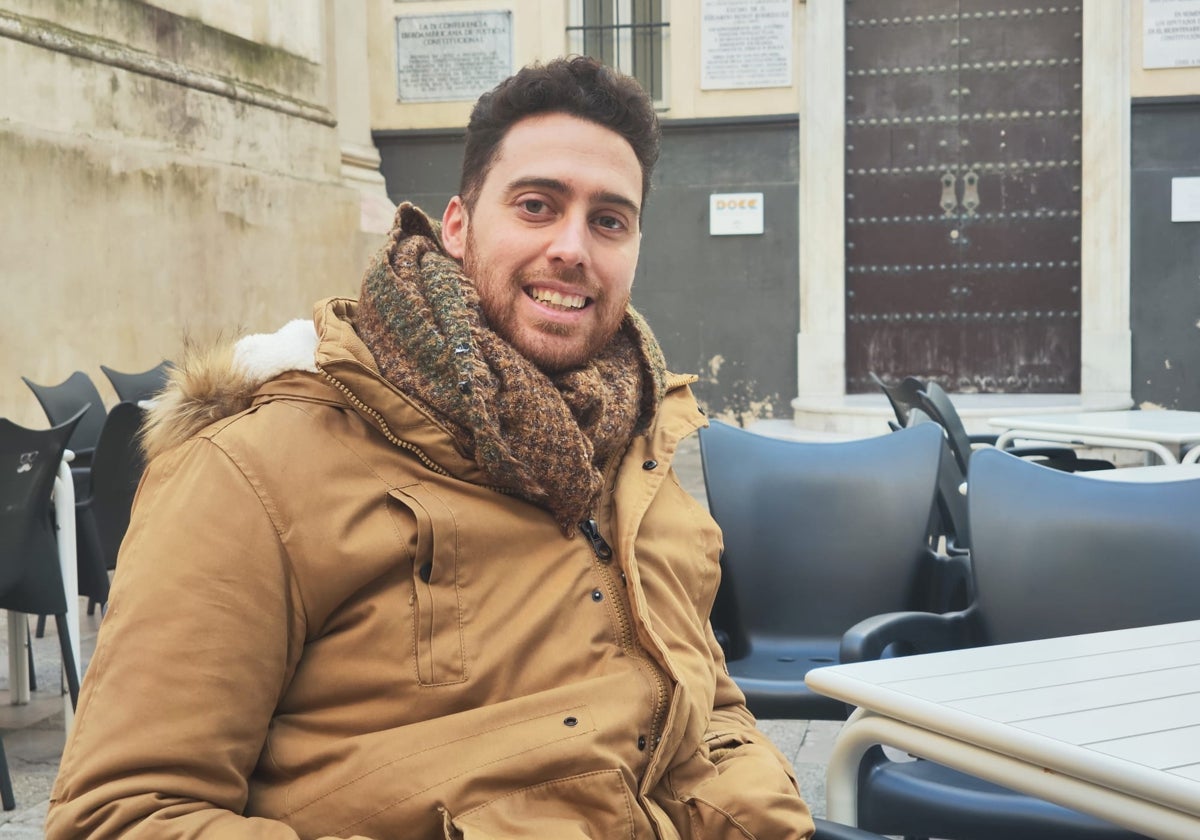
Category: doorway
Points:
column 963, row 178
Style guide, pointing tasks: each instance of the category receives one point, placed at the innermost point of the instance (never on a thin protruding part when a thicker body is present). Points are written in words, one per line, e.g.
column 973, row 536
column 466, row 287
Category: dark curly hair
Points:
column 577, row 85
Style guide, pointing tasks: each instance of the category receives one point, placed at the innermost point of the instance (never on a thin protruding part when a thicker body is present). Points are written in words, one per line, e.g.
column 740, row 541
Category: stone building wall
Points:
column 167, row 170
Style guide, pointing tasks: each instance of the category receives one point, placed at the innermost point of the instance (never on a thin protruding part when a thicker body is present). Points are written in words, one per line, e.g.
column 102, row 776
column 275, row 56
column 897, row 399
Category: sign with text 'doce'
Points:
column 735, row 214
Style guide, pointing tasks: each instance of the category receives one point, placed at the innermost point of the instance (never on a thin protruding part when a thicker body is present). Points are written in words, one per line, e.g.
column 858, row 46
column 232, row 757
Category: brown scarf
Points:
column 547, row 438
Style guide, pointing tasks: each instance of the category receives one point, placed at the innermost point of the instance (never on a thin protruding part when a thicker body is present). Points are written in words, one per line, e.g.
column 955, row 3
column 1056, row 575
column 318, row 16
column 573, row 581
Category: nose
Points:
column 569, row 242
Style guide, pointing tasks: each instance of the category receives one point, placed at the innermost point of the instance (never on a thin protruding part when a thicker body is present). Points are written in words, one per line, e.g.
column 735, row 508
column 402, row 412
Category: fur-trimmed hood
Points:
column 214, row 383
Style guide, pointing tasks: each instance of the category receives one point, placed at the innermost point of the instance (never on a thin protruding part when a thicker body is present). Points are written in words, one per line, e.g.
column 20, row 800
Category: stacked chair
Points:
column 30, row 571
column 935, row 404
column 63, row 401
column 1052, row 554
column 107, row 467
column 102, row 509
column 819, row 536
column 914, row 402
column 138, row 387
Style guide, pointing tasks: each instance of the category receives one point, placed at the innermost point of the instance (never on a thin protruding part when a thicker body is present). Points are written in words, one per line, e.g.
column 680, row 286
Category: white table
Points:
column 1161, row 432
column 1106, row 723
column 1148, row 475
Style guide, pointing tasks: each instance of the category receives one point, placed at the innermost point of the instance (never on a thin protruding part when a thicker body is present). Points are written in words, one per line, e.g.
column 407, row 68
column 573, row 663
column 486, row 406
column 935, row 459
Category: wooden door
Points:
column 963, row 139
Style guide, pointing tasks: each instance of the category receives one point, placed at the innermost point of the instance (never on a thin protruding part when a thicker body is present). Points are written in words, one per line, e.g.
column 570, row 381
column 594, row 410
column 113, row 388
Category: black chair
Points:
column 63, row 401
column 952, row 523
column 103, row 498
column 818, row 536
column 102, row 512
column 935, row 402
column 911, row 393
column 135, row 387
column 902, row 397
column 827, row 830
column 30, row 573
column 1053, row 554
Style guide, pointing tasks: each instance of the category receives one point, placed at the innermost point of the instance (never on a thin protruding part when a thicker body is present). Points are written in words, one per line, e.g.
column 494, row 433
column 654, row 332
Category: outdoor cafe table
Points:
column 1148, row 475
column 1105, row 723
column 1163, row 433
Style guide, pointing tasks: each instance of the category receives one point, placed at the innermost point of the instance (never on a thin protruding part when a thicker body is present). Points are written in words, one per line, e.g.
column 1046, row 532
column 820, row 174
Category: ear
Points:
column 454, row 228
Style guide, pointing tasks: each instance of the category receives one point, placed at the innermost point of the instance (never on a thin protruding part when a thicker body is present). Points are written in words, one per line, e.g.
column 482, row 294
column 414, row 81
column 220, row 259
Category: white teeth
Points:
column 558, row 299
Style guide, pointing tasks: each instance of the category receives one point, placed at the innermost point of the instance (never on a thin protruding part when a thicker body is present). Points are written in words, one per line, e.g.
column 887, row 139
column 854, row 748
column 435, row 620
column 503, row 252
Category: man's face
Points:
column 552, row 241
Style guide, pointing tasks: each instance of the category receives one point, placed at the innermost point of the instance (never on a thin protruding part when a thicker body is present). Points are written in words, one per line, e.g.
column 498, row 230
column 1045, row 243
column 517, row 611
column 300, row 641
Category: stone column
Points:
column 350, row 95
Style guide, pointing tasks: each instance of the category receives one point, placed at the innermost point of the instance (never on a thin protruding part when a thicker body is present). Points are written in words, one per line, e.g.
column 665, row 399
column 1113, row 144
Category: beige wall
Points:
column 296, row 27
column 1157, row 82
column 162, row 179
column 539, row 33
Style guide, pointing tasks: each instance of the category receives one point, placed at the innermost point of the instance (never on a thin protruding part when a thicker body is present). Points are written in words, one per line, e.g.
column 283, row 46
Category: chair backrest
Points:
column 117, row 468
column 901, row 396
column 951, row 500
column 819, row 535
column 935, row 402
column 134, row 387
column 30, row 575
column 1057, row 553
column 63, row 401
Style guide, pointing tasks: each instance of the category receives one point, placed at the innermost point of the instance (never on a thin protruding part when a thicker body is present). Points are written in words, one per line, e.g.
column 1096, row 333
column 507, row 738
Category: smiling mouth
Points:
column 558, row 300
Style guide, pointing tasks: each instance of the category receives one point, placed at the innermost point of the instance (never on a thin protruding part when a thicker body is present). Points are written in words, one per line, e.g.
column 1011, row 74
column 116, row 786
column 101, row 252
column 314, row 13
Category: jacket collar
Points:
column 305, row 359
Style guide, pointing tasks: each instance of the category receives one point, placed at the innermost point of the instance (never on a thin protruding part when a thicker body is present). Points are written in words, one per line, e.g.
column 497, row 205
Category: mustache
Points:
column 569, row 276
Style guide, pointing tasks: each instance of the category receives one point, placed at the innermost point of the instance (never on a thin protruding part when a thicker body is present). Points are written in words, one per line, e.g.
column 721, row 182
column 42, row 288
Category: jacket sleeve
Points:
column 202, row 632
column 756, row 785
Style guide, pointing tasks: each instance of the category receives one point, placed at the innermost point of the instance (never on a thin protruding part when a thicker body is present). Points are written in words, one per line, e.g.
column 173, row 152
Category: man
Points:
column 424, row 571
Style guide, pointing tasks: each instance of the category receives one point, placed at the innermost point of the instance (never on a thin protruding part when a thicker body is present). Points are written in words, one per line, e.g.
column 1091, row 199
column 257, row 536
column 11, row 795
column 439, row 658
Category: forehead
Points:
column 578, row 152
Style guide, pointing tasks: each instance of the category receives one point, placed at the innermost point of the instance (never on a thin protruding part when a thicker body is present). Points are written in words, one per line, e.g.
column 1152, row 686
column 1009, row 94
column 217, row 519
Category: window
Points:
column 629, row 35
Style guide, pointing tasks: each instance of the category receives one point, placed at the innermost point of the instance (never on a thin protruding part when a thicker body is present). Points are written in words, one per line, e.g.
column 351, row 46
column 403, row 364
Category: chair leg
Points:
column 68, row 658
column 29, row 650
column 6, row 791
column 41, row 626
column 91, row 606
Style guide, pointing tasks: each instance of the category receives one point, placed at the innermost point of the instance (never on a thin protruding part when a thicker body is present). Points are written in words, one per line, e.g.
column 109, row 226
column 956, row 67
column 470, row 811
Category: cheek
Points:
column 621, row 284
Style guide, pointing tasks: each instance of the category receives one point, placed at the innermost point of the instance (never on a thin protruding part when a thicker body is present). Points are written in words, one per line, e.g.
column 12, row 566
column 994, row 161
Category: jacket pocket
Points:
column 590, row 806
column 438, row 646
column 751, row 797
column 393, row 784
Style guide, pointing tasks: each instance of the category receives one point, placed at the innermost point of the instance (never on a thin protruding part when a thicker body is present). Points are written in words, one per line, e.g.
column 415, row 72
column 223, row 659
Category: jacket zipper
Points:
column 590, row 529
column 619, row 596
column 403, row 444
column 383, row 426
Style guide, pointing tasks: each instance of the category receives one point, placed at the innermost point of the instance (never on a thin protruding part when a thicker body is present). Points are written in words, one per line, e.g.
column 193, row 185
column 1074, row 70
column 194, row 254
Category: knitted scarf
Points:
column 545, row 437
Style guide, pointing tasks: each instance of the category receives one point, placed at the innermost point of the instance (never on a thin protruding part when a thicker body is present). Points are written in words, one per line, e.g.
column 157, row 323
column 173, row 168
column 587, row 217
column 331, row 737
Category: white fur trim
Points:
column 263, row 356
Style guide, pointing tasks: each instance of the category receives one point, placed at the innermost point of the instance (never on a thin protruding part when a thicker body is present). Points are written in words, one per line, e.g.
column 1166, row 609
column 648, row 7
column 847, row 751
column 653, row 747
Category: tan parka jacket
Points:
column 325, row 624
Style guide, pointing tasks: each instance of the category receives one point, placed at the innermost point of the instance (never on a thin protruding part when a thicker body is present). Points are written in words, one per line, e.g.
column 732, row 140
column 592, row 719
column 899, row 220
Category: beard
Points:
column 552, row 346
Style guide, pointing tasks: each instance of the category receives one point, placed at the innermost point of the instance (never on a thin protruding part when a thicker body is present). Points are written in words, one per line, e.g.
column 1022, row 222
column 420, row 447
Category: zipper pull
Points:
column 592, row 531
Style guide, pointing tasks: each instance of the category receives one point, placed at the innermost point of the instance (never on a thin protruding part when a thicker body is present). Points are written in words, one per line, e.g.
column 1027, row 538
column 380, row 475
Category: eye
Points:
column 610, row 223
column 534, row 205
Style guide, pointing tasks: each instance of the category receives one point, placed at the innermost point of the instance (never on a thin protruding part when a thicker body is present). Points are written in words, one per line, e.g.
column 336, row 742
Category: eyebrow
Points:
column 555, row 185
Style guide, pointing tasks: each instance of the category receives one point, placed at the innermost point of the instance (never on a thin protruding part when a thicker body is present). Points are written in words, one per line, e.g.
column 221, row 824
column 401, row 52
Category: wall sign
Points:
column 735, row 214
column 745, row 44
column 1170, row 33
column 1185, row 199
column 454, row 57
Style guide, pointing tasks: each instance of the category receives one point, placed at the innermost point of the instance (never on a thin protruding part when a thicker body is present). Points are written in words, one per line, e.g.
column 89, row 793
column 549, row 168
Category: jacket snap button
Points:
column 597, row 595
column 649, row 465
column 570, row 721
column 641, row 742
